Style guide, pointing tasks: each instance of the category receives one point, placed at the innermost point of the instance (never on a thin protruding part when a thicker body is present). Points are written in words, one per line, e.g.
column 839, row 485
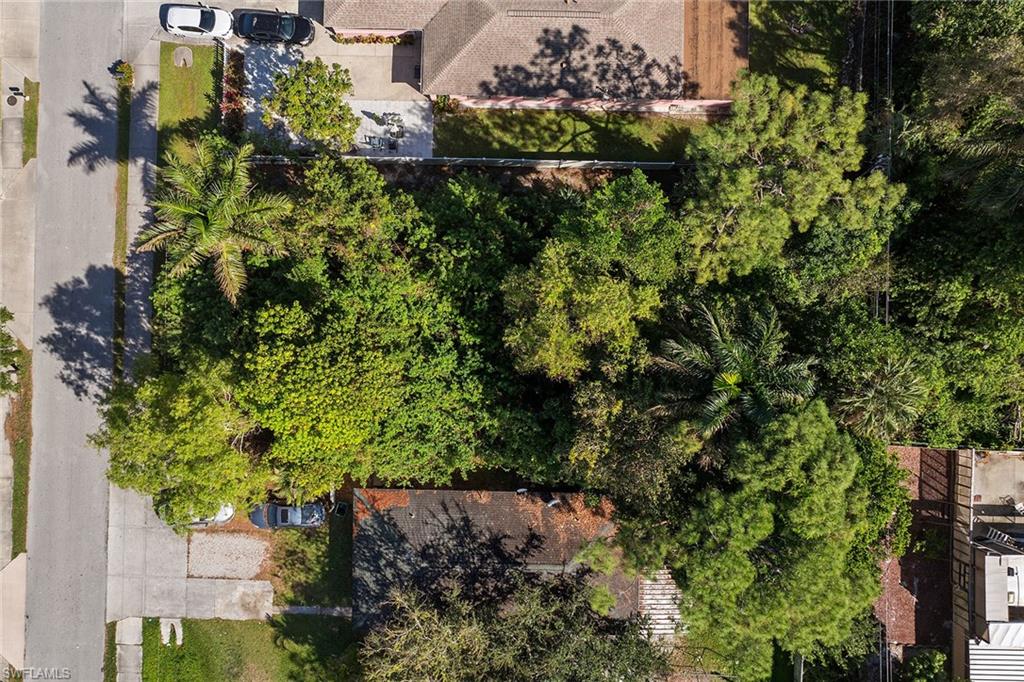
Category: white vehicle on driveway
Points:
column 191, row 21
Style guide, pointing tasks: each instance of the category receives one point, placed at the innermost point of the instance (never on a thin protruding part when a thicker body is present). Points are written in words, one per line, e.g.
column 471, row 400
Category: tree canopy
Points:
column 310, row 97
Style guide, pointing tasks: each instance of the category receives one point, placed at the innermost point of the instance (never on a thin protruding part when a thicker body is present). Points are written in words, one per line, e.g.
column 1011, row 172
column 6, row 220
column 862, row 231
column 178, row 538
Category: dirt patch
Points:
column 379, row 500
column 714, row 45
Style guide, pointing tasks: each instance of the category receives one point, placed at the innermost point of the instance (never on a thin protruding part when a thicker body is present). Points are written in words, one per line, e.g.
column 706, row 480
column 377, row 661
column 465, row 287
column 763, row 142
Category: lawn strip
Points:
column 18, row 430
column 120, row 260
column 30, row 121
column 110, row 652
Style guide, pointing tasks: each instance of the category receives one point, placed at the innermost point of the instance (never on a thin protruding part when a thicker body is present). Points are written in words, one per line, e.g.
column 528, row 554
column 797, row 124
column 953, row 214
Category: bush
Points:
column 232, row 104
column 374, row 39
column 124, row 74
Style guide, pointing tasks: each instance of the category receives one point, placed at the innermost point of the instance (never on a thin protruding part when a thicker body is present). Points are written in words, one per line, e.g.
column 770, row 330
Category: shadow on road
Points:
column 83, row 316
column 98, row 120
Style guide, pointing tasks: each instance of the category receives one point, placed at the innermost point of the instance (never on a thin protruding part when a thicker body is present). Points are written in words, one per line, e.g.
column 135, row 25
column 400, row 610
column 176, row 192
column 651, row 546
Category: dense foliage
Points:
column 9, row 355
column 546, row 631
column 310, row 98
column 702, row 354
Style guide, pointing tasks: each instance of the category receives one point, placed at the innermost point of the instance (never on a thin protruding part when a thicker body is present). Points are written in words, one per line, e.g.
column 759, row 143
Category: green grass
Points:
column 314, row 567
column 18, row 431
column 282, row 649
column 110, row 653
column 188, row 95
column 799, row 41
column 508, row 133
column 30, row 123
column 120, row 260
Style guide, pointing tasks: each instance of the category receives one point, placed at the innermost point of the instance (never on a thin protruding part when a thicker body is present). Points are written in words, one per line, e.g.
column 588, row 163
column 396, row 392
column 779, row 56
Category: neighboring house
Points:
column 988, row 566
column 480, row 540
column 570, row 49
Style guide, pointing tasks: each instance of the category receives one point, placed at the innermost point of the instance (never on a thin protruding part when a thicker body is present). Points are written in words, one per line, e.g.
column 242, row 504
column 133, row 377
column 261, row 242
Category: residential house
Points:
column 480, row 540
column 988, row 566
column 503, row 52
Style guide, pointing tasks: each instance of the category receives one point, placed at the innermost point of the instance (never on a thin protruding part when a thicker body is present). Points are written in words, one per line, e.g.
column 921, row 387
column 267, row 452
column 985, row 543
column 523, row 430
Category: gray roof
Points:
column 623, row 49
column 477, row 539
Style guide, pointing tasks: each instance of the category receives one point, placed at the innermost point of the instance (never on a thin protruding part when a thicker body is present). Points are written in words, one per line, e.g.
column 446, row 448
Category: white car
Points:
column 193, row 21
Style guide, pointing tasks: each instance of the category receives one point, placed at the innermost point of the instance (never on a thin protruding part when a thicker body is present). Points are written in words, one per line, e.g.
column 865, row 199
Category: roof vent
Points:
column 554, row 13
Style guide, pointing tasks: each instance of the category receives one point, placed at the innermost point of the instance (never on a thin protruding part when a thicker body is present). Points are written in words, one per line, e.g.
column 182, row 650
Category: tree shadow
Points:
column 83, row 315
column 448, row 549
column 799, row 42
column 263, row 62
column 97, row 118
column 570, row 64
column 319, row 647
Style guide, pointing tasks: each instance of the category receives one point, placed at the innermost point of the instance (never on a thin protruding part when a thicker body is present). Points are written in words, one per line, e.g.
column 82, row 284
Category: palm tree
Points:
column 207, row 208
column 719, row 378
column 887, row 400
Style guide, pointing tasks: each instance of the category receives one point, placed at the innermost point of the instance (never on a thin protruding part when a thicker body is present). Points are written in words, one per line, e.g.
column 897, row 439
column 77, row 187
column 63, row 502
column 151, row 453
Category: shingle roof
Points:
column 622, row 49
column 477, row 538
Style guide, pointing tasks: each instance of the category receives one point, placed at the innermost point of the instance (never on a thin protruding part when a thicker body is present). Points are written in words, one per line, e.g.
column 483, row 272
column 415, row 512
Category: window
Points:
column 206, row 20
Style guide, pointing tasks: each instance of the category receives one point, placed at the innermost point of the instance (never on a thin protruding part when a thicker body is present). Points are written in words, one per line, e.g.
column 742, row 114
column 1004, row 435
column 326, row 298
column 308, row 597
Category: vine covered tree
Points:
column 208, row 209
column 310, row 98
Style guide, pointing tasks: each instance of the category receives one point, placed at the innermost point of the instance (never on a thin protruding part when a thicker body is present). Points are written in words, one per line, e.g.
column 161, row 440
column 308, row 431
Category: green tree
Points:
column 9, row 355
column 722, row 378
column 546, row 631
column 310, row 97
column 182, row 439
column 208, row 209
column 580, row 302
column 927, row 666
column 780, row 547
column 887, row 401
column 778, row 167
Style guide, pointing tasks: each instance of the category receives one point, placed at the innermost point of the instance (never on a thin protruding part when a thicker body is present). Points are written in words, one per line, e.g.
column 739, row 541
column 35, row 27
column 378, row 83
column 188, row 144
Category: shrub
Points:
column 374, row 39
column 232, row 104
column 124, row 74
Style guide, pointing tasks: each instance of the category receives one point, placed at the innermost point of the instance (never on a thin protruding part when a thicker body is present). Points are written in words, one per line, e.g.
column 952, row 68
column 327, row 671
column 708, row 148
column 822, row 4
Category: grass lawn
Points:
column 507, row 133
column 314, row 567
column 110, row 653
column 800, row 41
column 18, row 431
column 30, row 123
column 188, row 95
column 283, row 649
column 120, row 260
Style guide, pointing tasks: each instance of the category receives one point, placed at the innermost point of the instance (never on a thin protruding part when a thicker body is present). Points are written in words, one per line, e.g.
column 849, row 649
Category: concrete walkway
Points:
column 128, row 639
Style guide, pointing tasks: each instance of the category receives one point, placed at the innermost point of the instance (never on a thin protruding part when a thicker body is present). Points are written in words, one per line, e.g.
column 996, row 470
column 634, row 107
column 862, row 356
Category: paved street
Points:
column 73, row 322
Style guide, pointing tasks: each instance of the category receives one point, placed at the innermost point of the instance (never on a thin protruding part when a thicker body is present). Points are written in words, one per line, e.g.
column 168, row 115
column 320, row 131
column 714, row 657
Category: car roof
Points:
column 264, row 21
column 183, row 15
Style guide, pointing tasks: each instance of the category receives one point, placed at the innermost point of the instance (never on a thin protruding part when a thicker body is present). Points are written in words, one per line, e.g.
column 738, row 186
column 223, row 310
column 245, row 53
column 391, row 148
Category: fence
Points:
column 594, row 164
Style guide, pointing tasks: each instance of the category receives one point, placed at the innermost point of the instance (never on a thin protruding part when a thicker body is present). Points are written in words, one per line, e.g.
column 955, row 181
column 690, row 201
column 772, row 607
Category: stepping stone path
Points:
column 183, row 56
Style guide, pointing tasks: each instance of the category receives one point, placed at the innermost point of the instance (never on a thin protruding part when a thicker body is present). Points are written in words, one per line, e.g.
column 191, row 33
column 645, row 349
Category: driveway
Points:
column 74, row 283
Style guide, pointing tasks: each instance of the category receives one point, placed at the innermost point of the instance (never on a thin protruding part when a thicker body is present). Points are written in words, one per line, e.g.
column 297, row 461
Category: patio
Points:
column 380, row 121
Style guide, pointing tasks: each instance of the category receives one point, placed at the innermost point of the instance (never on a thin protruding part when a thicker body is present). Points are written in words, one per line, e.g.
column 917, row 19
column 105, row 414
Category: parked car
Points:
column 274, row 27
column 223, row 515
column 272, row 515
column 192, row 21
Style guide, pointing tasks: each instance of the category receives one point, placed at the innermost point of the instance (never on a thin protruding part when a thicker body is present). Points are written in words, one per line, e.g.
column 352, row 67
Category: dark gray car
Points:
column 274, row 27
column 272, row 515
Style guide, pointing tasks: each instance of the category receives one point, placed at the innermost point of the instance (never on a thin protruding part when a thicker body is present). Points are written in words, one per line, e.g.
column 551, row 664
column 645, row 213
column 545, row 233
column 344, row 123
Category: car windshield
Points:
column 206, row 20
column 287, row 27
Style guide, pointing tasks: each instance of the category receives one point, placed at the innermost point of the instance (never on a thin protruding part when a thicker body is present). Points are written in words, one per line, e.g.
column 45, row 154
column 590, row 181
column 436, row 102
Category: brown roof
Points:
column 622, row 49
column 478, row 539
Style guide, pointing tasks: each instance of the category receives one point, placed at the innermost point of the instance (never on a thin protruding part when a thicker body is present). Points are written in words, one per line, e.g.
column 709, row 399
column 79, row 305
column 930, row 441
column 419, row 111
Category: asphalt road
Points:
column 67, row 532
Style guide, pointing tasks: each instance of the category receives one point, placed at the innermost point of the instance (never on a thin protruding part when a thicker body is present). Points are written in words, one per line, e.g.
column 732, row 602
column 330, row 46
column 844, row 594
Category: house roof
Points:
column 478, row 539
column 620, row 49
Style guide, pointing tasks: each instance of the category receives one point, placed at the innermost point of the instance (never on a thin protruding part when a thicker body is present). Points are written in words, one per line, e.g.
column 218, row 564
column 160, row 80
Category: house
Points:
column 988, row 566
column 479, row 540
column 501, row 51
